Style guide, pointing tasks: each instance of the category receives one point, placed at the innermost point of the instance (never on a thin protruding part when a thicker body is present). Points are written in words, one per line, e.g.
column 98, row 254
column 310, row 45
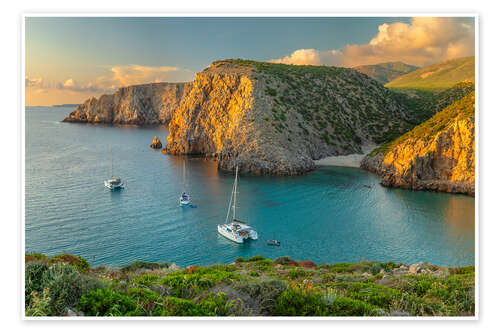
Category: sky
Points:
column 69, row 59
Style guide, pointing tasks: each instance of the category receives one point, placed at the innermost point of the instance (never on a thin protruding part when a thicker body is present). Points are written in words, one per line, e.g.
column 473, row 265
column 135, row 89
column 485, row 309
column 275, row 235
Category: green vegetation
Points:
column 255, row 286
column 461, row 109
column 339, row 107
column 437, row 76
column 386, row 72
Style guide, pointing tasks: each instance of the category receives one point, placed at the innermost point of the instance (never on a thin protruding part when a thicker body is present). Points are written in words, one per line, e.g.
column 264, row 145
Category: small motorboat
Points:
column 273, row 242
column 185, row 199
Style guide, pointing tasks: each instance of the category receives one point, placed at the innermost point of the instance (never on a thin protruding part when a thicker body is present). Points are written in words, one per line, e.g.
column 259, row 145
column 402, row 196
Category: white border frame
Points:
column 254, row 13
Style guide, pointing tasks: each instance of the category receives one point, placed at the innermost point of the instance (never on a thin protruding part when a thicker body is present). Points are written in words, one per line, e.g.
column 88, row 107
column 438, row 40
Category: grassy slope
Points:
column 255, row 286
column 386, row 72
column 437, row 76
column 460, row 109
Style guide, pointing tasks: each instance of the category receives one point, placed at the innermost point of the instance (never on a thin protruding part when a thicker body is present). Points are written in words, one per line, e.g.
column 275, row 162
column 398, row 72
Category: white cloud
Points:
column 33, row 82
column 423, row 41
column 126, row 75
column 311, row 57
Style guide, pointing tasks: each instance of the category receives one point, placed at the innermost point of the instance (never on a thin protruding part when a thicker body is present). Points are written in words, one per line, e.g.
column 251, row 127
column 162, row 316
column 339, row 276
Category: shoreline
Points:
column 351, row 160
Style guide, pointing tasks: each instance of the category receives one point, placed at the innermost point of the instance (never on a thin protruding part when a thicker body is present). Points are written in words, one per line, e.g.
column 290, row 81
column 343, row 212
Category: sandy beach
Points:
column 352, row 160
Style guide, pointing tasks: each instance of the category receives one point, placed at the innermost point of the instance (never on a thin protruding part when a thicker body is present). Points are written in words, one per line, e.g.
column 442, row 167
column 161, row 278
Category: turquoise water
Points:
column 326, row 216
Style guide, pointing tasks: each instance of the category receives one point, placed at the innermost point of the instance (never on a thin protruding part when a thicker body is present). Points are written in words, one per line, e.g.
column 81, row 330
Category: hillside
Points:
column 66, row 285
column 438, row 154
column 278, row 118
column 437, row 76
column 386, row 72
column 275, row 118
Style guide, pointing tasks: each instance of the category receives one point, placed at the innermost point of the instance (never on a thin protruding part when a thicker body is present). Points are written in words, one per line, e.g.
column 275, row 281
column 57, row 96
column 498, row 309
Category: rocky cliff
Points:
column 277, row 119
column 439, row 154
column 147, row 104
column 274, row 118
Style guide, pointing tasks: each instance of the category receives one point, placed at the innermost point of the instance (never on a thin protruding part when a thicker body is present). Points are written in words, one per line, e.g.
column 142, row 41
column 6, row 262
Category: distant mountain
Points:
column 387, row 71
column 442, row 75
column 65, row 105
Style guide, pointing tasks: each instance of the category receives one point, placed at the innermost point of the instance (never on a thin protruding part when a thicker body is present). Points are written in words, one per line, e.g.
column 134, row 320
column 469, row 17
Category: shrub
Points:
column 62, row 283
column 33, row 274
column 186, row 285
column 144, row 265
column 294, row 302
column 78, row 262
column 296, row 273
column 105, row 302
column 146, row 280
column 66, row 285
column 180, row 307
column 286, row 261
column 264, row 292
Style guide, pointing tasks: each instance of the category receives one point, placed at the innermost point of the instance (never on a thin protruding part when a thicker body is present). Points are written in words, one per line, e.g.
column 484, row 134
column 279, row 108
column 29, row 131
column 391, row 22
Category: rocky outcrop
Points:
column 437, row 155
column 146, row 104
column 277, row 119
column 156, row 144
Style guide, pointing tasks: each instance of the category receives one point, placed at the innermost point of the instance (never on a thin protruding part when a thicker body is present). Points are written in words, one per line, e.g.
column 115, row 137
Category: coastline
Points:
column 351, row 160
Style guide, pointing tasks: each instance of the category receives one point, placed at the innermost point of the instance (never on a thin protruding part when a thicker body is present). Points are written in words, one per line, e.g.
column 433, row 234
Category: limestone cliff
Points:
column 439, row 154
column 146, row 104
column 276, row 119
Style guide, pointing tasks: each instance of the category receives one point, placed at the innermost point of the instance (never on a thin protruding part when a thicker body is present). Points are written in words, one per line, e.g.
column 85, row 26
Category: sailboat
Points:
column 237, row 230
column 114, row 183
column 185, row 199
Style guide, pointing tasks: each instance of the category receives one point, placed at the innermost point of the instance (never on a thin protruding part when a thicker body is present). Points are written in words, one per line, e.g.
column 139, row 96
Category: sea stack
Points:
column 156, row 144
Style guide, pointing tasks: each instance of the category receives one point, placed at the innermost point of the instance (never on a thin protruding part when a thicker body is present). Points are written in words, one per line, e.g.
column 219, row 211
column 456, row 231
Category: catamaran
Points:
column 237, row 230
column 185, row 199
column 114, row 183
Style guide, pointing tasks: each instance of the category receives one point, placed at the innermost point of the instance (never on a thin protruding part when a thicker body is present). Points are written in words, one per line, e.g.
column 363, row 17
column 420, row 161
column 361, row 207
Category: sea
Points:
column 330, row 215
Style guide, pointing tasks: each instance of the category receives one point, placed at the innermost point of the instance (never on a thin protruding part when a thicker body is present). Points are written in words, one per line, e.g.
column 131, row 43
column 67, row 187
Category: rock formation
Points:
column 438, row 155
column 270, row 118
column 156, row 144
column 146, row 104
column 276, row 119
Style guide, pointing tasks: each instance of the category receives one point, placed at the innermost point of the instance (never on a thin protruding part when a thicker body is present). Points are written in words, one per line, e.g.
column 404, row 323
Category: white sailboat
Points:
column 114, row 183
column 184, row 199
column 237, row 230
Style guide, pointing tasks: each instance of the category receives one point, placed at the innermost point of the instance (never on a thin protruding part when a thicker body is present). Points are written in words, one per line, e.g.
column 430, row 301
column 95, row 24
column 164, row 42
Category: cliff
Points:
column 438, row 154
column 277, row 119
column 272, row 118
column 146, row 104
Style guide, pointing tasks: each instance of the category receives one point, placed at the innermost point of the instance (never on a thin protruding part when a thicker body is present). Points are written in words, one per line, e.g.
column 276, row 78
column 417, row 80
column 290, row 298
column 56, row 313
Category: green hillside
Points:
column 386, row 72
column 437, row 76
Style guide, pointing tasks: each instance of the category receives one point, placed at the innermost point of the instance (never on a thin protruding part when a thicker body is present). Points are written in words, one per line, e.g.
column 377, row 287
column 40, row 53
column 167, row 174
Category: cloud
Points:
column 126, row 75
column 311, row 57
column 34, row 82
column 423, row 41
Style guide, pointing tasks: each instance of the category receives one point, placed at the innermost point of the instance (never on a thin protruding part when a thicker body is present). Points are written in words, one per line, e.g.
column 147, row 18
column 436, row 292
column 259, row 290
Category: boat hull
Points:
column 113, row 187
column 229, row 235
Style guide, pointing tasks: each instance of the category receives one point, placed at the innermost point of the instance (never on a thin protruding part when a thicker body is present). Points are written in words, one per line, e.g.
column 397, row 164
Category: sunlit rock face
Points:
column 267, row 118
column 147, row 104
column 438, row 156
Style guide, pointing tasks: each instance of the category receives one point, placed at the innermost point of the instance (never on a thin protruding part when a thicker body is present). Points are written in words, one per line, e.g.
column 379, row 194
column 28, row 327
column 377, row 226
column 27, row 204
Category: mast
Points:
column 111, row 154
column 235, row 191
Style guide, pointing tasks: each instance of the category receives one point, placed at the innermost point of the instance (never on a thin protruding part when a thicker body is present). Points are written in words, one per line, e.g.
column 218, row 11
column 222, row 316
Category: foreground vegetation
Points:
column 66, row 285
